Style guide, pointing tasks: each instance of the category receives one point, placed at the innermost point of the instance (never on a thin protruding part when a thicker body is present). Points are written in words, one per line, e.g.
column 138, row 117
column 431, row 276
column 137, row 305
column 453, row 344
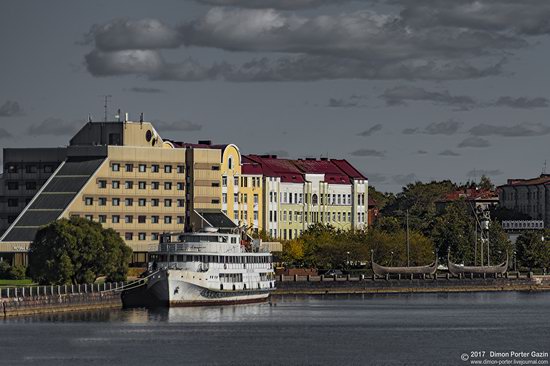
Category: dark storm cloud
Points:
column 137, row 89
column 11, row 109
column 369, row 153
column 403, row 179
column 375, row 178
column 474, row 141
column 362, row 44
column 279, row 153
column 4, row 134
column 480, row 172
column 526, row 17
column 400, row 95
column 342, row 103
column 448, row 153
column 449, row 127
column 273, row 4
column 182, row 125
column 124, row 34
column 519, row 130
column 370, row 131
column 522, row 102
column 54, row 126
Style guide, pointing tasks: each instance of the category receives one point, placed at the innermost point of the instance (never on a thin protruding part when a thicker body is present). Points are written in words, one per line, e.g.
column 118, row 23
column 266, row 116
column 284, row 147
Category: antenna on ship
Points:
column 106, row 105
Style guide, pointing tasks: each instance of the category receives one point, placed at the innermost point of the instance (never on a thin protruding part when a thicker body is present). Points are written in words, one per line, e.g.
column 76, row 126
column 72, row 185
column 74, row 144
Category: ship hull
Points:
column 166, row 289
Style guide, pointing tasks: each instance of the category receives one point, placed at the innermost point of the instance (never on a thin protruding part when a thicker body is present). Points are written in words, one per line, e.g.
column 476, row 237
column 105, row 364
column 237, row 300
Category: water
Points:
column 419, row 329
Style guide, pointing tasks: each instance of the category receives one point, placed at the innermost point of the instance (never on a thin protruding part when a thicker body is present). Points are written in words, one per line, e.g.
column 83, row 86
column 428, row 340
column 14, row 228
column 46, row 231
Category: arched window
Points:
column 230, row 162
column 314, row 199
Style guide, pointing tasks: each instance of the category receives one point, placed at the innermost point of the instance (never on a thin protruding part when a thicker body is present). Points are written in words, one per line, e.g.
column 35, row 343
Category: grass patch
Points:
column 25, row 282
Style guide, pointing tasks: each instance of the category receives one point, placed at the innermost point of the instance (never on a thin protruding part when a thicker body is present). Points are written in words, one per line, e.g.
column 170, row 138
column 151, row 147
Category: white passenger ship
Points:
column 208, row 268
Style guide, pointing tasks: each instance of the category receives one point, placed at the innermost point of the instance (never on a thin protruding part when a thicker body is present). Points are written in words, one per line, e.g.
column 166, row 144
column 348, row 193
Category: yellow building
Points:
column 125, row 176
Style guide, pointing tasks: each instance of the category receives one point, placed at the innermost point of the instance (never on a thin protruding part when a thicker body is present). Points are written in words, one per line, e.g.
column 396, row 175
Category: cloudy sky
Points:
column 405, row 90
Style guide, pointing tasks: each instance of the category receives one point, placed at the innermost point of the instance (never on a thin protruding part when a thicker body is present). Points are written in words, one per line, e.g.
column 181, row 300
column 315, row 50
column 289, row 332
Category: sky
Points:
column 404, row 90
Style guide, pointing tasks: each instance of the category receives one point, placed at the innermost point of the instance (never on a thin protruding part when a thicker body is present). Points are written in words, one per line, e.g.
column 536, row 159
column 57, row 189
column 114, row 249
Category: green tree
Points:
column 77, row 251
column 485, row 183
column 454, row 231
column 533, row 250
column 500, row 246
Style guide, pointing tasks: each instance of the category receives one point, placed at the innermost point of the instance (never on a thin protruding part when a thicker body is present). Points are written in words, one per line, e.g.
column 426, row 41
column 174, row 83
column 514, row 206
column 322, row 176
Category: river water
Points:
column 417, row 329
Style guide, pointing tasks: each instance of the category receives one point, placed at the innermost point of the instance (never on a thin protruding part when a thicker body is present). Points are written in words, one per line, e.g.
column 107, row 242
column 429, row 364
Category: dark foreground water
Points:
column 420, row 329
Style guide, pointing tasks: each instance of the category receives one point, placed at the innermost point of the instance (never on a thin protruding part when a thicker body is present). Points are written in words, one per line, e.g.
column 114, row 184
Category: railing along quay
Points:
column 49, row 290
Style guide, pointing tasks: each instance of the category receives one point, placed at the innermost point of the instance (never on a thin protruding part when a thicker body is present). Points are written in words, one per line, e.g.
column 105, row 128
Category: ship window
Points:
column 180, row 258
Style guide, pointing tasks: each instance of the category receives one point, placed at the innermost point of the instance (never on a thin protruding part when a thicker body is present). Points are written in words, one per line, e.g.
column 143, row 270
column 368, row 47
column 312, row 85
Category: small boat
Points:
column 457, row 270
column 204, row 268
column 383, row 270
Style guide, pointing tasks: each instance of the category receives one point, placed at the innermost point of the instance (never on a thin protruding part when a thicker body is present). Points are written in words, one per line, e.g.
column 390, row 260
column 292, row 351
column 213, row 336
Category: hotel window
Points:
column 255, row 215
column 13, row 186
column 115, row 184
column 129, row 168
column 129, row 202
column 224, row 181
column 167, row 219
column 89, row 217
column 246, row 215
column 180, row 186
column 334, row 216
column 155, row 185
column 224, row 197
column 102, row 184
column 255, row 199
column 349, row 199
column 89, row 201
column 168, row 168
column 236, row 214
column 181, row 169
column 154, row 236
column 142, row 168
column 181, row 202
column 215, row 201
column 141, row 236
column 300, row 198
column 142, row 219
column 115, row 167
column 12, row 202
column 284, row 199
column 290, row 216
column 102, row 201
column 245, row 198
column 167, row 186
column 102, row 219
column 349, row 216
column 128, row 236
column 235, row 198
column 167, row 202
column 129, row 184
column 142, row 185
column 290, row 198
column 339, row 216
column 30, row 186
column 115, row 219
column 142, row 202
column 230, row 162
column 155, row 168
column 155, row 202
column 215, row 184
column 236, row 181
column 128, row 219
column 180, row 220
column 154, row 219
column 115, row 201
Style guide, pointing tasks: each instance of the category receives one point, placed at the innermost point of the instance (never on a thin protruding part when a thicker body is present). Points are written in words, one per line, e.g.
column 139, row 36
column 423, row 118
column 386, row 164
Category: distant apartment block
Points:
column 528, row 196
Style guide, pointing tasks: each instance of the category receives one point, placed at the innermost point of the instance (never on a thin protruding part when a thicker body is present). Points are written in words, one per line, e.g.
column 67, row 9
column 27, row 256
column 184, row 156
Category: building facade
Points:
column 528, row 196
column 127, row 177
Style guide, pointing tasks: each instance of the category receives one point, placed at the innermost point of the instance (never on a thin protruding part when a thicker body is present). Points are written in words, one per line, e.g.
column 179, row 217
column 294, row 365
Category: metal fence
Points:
column 31, row 291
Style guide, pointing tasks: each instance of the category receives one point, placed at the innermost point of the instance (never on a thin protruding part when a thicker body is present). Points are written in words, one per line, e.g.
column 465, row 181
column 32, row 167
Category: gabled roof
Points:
column 542, row 179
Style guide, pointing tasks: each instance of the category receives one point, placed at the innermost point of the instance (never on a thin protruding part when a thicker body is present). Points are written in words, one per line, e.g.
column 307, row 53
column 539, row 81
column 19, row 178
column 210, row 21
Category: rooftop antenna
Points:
column 544, row 168
column 106, row 105
column 141, row 117
column 118, row 115
column 89, row 117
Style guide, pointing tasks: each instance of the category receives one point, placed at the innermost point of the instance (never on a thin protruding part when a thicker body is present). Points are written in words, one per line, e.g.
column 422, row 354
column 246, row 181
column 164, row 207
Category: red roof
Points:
column 470, row 194
column 294, row 171
column 251, row 169
column 543, row 179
